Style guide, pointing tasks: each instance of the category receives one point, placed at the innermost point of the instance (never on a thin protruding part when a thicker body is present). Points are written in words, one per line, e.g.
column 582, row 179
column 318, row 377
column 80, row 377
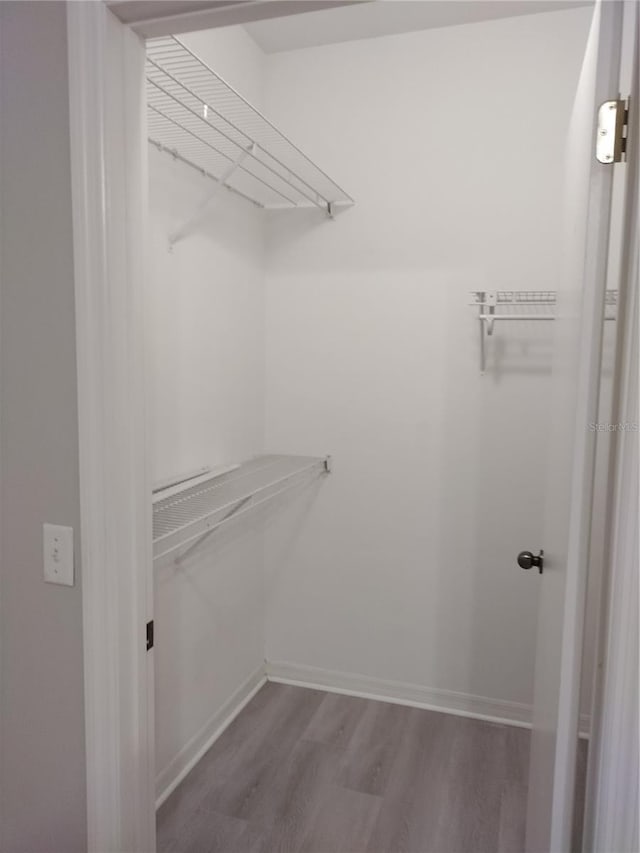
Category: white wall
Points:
column 207, row 324
column 207, row 300
column 42, row 761
column 451, row 142
column 400, row 566
column 207, row 407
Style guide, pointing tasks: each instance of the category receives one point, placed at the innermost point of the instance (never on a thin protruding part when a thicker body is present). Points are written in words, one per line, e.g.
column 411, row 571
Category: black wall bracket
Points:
column 149, row 635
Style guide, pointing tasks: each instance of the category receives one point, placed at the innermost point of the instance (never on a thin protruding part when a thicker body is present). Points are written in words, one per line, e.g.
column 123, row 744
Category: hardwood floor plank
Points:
column 518, row 741
column 181, row 805
column 412, row 800
column 342, row 823
column 187, row 797
column 513, row 811
column 372, row 749
column 282, row 818
column 473, row 784
column 336, row 719
column 303, row 771
column 261, row 725
column 239, row 787
column 205, row 832
column 582, row 755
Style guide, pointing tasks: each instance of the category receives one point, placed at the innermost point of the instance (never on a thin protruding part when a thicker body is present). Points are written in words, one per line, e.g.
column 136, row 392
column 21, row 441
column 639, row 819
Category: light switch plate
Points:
column 58, row 554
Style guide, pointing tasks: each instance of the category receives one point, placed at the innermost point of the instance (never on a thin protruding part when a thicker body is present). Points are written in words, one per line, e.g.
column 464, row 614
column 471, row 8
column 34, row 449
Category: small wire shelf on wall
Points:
column 198, row 118
column 512, row 305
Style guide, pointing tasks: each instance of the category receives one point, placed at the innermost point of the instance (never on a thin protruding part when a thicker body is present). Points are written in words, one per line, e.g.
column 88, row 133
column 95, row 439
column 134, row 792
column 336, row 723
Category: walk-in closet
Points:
column 357, row 243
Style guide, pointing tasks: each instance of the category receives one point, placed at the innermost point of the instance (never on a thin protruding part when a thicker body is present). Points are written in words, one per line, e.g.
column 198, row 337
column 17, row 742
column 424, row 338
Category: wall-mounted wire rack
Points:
column 186, row 517
column 509, row 305
column 200, row 119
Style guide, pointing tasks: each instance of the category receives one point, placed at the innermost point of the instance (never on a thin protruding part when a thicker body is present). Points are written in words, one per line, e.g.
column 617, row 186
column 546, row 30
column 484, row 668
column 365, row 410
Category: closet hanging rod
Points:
column 189, row 517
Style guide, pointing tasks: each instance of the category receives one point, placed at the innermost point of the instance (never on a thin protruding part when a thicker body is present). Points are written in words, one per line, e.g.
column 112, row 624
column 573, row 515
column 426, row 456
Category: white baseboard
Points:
column 171, row 776
column 367, row 687
column 432, row 699
column 414, row 695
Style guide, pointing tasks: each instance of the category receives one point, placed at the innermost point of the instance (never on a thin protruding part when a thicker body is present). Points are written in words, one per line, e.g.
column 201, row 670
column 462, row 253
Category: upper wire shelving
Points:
column 199, row 118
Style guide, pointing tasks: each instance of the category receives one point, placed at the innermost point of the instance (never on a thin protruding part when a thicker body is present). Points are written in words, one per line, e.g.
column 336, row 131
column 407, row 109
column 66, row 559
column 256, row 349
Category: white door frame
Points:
column 563, row 594
column 108, row 163
column 108, row 156
column 613, row 783
column 107, row 108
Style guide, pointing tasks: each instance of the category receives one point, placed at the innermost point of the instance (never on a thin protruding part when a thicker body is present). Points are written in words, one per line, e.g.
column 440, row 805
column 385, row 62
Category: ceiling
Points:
column 134, row 11
column 151, row 18
column 387, row 17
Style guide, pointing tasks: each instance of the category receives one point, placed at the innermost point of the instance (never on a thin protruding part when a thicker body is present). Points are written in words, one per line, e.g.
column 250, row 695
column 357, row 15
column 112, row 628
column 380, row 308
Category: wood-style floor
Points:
column 315, row 772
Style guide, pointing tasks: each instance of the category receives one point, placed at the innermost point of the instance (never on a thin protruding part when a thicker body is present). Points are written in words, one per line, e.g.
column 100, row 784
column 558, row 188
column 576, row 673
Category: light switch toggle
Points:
column 58, row 554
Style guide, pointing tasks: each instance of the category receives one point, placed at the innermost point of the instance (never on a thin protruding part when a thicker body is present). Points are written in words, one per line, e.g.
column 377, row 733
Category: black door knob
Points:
column 527, row 560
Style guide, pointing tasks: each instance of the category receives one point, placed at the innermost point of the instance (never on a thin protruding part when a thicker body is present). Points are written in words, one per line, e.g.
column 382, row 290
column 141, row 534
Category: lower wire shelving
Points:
column 182, row 519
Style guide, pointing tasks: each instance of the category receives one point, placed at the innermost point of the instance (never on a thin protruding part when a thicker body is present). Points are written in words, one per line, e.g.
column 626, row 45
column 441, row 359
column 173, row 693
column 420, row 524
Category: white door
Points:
column 578, row 341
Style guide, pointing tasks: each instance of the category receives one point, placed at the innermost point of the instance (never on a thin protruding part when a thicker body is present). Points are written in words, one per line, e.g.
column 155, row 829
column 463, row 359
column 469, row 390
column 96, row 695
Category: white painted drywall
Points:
column 206, row 311
column 451, row 142
column 401, row 566
column 42, row 766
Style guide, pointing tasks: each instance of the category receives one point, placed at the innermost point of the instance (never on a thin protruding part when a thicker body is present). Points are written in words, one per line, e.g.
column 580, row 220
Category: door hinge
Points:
column 149, row 635
column 611, row 135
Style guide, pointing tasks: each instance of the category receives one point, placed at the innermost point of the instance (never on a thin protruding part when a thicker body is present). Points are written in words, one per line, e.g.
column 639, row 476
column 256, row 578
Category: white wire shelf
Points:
column 185, row 517
column 509, row 305
column 199, row 118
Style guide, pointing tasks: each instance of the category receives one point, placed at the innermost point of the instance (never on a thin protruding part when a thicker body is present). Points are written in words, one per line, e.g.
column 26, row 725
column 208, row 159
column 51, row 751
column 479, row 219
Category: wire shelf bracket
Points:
column 186, row 517
column 190, row 224
column 502, row 305
column 194, row 115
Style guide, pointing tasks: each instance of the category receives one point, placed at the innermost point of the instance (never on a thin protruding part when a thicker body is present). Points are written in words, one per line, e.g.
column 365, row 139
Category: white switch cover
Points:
column 58, row 554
